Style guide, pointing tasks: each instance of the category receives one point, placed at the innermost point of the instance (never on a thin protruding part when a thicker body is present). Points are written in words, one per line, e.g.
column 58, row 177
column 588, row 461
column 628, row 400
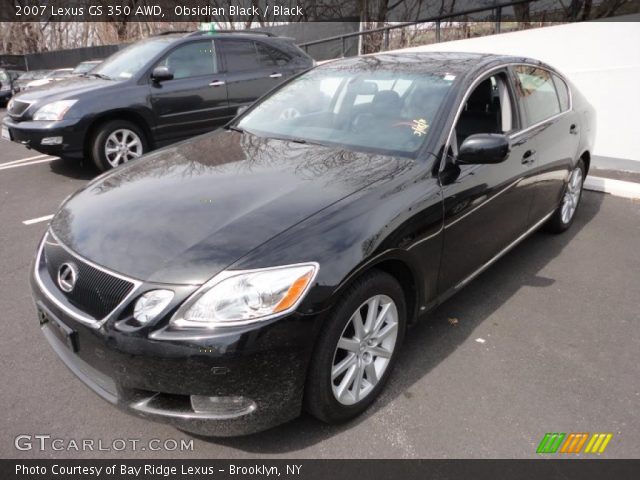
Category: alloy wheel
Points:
column 364, row 349
column 122, row 145
column 572, row 195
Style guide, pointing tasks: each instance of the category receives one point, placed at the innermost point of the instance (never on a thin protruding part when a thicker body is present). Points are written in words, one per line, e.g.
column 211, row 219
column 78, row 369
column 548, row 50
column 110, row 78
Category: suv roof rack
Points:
column 241, row 32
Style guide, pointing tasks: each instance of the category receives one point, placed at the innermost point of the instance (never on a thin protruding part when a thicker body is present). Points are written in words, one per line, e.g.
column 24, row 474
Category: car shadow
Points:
column 434, row 338
column 74, row 169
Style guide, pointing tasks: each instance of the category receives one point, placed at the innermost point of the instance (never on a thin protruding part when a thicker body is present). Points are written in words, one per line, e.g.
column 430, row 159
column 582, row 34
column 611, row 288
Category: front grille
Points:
column 96, row 292
column 17, row 108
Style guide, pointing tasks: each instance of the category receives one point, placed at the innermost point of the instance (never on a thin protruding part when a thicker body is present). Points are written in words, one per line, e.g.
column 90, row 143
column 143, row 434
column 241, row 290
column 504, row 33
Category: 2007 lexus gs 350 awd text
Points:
column 226, row 283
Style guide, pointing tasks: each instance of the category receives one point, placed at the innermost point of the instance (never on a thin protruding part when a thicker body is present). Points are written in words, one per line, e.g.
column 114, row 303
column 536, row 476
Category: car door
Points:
column 251, row 71
column 195, row 100
column 486, row 207
column 545, row 100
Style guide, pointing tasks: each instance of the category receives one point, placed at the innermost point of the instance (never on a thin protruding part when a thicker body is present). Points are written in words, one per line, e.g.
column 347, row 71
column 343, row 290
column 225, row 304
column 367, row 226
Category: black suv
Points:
column 155, row 92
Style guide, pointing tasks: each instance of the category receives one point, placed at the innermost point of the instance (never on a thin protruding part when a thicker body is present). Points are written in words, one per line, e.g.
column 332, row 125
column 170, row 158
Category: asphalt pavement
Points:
column 546, row 340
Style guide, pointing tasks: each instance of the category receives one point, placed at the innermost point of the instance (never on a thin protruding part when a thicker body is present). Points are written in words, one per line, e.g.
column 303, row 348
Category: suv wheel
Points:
column 117, row 142
column 356, row 349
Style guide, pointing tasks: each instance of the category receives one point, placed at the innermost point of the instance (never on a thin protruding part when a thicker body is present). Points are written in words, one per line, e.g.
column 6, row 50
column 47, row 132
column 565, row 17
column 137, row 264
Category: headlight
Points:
column 239, row 298
column 53, row 110
column 151, row 304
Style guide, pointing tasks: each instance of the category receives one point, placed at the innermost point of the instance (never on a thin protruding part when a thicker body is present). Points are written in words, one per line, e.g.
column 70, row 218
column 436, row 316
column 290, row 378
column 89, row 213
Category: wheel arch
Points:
column 121, row 114
column 400, row 268
column 586, row 158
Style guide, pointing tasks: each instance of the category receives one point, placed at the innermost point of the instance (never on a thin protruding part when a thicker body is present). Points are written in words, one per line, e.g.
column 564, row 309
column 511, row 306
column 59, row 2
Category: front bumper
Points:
column 154, row 379
column 30, row 134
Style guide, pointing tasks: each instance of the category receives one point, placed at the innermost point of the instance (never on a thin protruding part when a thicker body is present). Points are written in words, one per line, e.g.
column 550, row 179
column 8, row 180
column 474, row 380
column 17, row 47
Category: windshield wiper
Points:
column 293, row 139
column 98, row 75
column 302, row 141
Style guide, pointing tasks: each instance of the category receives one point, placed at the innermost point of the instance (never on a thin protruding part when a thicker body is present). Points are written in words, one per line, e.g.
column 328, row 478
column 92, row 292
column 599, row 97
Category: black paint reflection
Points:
column 186, row 212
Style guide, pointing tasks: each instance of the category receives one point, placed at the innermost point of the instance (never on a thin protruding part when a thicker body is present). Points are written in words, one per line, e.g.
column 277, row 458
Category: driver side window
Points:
column 192, row 60
column 489, row 109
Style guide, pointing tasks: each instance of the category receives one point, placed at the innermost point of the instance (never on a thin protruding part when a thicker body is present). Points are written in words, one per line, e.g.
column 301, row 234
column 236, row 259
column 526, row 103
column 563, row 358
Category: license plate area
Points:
column 66, row 334
column 6, row 134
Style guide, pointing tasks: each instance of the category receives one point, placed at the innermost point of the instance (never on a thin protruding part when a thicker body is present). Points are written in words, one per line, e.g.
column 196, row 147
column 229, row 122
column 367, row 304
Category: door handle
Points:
column 529, row 157
column 574, row 129
column 275, row 75
column 216, row 83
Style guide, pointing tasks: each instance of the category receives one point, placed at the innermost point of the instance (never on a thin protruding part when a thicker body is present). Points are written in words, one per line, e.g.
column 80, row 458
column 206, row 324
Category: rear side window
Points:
column 279, row 57
column 241, row 55
column 536, row 90
column 264, row 58
column 563, row 92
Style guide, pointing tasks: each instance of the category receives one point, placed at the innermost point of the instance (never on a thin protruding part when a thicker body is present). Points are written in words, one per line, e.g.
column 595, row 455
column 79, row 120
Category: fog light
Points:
column 151, row 304
column 222, row 405
column 51, row 141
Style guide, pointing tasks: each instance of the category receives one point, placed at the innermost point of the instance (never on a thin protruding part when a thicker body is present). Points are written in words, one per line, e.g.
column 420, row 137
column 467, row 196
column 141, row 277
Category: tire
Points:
column 111, row 134
column 321, row 390
column 563, row 217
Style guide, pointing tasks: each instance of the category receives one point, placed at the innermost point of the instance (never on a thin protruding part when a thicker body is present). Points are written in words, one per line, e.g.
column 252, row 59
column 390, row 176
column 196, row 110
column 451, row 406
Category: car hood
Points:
column 184, row 213
column 62, row 89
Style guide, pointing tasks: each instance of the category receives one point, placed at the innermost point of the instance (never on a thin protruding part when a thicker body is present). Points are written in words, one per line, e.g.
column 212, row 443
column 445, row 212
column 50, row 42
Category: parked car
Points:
column 225, row 283
column 26, row 77
column 86, row 66
column 152, row 93
column 51, row 76
column 6, row 86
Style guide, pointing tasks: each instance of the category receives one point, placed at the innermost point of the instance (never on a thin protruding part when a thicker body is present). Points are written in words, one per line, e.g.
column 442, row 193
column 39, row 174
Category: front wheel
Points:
column 117, row 142
column 356, row 349
column 563, row 217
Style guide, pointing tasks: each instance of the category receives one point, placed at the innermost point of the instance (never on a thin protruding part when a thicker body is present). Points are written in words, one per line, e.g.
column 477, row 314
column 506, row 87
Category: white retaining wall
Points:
column 601, row 58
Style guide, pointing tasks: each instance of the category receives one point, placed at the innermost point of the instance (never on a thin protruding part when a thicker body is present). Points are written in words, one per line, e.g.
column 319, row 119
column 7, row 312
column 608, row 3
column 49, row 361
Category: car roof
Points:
column 454, row 63
column 221, row 34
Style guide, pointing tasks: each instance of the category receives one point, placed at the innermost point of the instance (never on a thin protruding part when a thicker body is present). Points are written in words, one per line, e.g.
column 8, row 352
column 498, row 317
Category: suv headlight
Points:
column 54, row 110
column 242, row 297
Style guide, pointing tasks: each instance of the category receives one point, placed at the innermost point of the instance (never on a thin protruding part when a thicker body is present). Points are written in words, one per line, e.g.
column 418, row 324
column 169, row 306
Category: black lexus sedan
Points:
column 226, row 283
column 154, row 92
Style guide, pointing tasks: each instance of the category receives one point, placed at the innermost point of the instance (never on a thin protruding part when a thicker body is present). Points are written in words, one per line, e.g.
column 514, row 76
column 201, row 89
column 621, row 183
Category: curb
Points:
column 618, row 188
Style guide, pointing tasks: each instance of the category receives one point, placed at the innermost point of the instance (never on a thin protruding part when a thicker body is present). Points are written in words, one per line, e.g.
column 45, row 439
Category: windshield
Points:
column 38, row 74
column 59, row 74
column 383, row 110
column 84, row 67
column 128, row 61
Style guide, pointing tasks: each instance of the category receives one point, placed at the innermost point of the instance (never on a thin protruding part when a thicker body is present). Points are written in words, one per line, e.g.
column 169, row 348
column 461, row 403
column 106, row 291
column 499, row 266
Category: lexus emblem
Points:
column 67, row 277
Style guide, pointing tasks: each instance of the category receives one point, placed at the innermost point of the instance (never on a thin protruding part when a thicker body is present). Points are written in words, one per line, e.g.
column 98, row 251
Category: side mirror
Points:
column 161, row 74
column 484, row 148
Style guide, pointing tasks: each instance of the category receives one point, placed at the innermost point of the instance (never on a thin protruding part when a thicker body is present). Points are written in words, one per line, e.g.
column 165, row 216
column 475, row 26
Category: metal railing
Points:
column 497, row 8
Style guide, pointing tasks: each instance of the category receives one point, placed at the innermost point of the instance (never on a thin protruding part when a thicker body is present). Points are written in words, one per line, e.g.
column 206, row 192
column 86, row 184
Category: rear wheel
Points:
column 117, row 142
column 357, row 349
column 564, row 215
